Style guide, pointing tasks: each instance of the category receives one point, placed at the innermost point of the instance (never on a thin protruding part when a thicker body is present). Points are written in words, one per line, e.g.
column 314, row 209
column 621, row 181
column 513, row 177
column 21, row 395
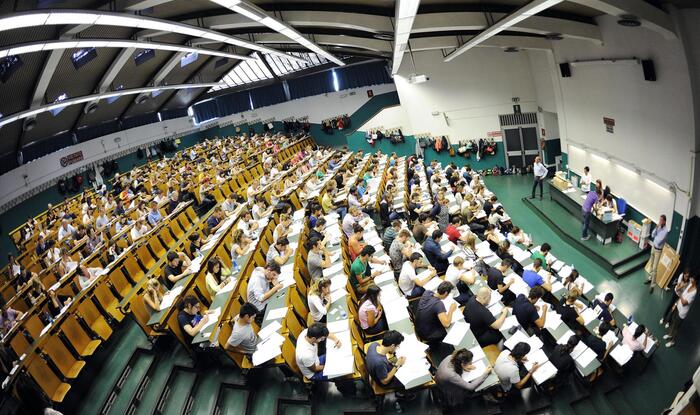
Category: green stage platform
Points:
column 621, row 259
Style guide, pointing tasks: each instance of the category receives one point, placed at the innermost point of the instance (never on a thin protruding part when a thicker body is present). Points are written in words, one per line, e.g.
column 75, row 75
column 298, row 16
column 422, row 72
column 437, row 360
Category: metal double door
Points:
column 520, row 144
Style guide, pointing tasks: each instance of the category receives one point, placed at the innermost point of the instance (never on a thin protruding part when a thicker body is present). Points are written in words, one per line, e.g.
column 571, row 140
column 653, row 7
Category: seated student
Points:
column 259, row 209
column 409, row 283
column 517, row 236
column 356, row 241
column 525, row 310
column 632, row 339
column 282, row 229
column 153, row 294
column 195, row 244
column 279, row 252
column 495, row 278
column 139, row 229
column 534, row 279
column 420, row 229
column 482, row 323
column 328, row 205
column 55, row 303
column 353, row 217
column 319, row 299
column 569, row 309
column 451, row 230
column 569, row 282
column 154, row 216
column 86, row 275
column 361, row 273
column 401, row 249
column 595, row 340
column 175, row 268
column 216, row 219
column 317, row 259
column 498, row 219
column 308, row 360
column 240, row 244
column 455, row 390
column 603, row 308
column 190, row 319
column 230, row 205
column 390, row 233
column 562, row 360
column 316, row 212
column 542, row 254
column 435, row 254
column 262, row 285
column 243, row 339
column 371, row 313
column 217, row 276
column 8, row 318
column 507, row 367
column 461, row 278
column 318, row 231
column 382, row 362
column 248, row 225
column 432, row 318
column 492, row 236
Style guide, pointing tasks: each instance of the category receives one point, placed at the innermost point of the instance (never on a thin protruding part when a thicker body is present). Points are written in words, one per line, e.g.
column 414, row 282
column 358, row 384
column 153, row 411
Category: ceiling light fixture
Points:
column 512, row 19
column 96, row 97
column 259, row 15
column 87, row 17
column 103, row 43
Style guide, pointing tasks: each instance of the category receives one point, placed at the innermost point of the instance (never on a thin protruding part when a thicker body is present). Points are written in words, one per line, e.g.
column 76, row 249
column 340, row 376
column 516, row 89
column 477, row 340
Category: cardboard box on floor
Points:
column 668, row 264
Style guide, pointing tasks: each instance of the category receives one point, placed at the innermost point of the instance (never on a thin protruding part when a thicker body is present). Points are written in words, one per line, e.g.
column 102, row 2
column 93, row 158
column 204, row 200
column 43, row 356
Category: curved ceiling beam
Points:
column 374, row 45
column 110, row 43
column 451, row 42
column 424, row 23
column 102, row 18
column 87, row 98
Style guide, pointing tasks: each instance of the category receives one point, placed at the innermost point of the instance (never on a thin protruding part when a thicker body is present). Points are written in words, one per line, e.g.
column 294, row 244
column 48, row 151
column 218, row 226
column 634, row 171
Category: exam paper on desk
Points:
column 456, row 333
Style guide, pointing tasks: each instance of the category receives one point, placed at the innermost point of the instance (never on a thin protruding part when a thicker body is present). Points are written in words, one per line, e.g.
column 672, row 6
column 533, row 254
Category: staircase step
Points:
column 630, row 266
column 177, row 392
column 584, row 407
column 205, row 393
column 618, row 401
column 129, row 384
column 232, row 400
column 293, row 407
column 604, row 407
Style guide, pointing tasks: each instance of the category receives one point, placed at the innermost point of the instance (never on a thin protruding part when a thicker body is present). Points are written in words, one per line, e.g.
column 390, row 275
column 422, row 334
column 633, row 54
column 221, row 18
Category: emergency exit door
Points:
column 520, row 139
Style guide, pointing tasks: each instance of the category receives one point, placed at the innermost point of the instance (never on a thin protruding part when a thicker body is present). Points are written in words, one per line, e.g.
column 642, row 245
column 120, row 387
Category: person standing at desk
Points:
column 587, row 210
column 586, row 180
column 657, row 241
column 540, row 174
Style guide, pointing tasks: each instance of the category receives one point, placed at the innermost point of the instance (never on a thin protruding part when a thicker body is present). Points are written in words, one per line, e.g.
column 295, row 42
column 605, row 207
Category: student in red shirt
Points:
column 453, row 234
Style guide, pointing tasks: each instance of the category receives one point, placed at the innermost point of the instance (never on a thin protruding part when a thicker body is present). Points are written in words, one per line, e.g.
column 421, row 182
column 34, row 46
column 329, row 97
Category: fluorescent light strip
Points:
column 99, row 43
column 96, row 97
column 405, row 14
column 259, row 15
column 512, row 19
column 86, row 17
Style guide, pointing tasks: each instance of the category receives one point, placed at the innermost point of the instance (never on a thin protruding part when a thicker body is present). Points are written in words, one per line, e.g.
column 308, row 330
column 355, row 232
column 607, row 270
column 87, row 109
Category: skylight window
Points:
column 247, row 72
column 112, row 99
column 188, row 59
column 58, row 99
column 81, row 57
column 336, row 85
column 8, row 66
column 143, row 56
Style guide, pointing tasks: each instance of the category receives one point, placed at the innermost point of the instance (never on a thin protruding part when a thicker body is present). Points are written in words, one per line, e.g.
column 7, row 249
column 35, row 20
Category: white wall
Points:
column 43, row 171
column 541, row 66
column 472, row 91
column 389, row 118
column 654, row 121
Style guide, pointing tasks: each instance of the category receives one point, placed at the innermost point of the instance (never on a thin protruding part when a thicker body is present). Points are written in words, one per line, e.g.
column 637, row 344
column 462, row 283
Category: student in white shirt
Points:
column 139, row 229
column 310, row 363
column 686, row 296
column 248, row 225
column 586, row 180
column 319, row 300
column 65, row 230
column 409, row 282
column 259, row 211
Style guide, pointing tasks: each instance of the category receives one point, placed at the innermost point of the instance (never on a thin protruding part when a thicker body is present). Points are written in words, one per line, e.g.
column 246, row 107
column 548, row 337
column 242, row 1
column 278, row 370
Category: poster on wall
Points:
column 370, row 93
column 609, row 124
column 493, row 134
column 71, row 158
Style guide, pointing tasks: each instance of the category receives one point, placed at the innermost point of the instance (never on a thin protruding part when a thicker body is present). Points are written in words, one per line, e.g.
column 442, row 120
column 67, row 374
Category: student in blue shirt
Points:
column 154, row 215
column 534, row 279
column 434, row 253
column 525, row 310
column 603, row 307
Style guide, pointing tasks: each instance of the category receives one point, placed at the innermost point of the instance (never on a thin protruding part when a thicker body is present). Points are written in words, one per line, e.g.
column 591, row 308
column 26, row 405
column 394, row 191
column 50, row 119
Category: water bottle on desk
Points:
column 236, row 267
column 629, row 320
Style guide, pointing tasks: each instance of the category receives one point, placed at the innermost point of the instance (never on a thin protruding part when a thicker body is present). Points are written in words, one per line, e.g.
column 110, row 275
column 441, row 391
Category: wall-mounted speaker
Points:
column 649, row 71
column 565, row 70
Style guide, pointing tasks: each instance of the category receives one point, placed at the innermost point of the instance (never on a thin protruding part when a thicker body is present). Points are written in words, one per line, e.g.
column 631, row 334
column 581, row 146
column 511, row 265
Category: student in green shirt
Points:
column 542, row 254
column 361, row 273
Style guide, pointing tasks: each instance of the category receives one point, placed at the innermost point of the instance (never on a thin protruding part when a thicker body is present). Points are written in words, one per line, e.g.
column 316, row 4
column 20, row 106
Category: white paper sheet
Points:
column 622, row 354
column 479, row 369
column 412, row 370
column 277, row 313
column 544, row 373
column 338, row 294
column 267, row 331
column 265, row 353
column 585, row 358
column 338, row 326
column 456, row 333
column 169, row 297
